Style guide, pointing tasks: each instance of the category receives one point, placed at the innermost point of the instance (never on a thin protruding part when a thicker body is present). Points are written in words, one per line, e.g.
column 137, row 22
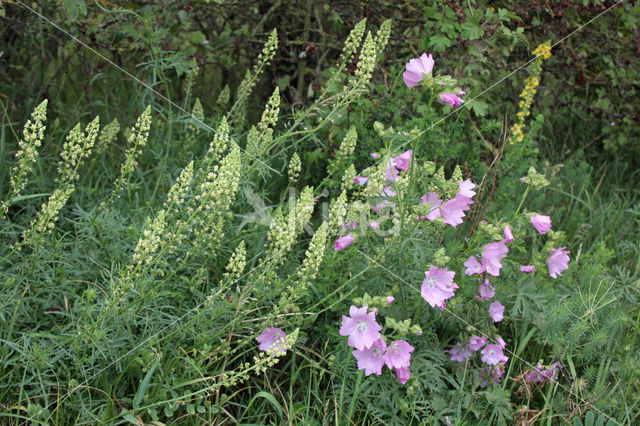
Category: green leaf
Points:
column 479, row 108
column 471, row 30
column 75, row 8
column 439, row 43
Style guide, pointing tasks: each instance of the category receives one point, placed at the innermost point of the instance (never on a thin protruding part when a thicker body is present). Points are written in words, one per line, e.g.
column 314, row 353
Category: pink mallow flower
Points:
column 273, row 341
column 496, row 311
column 361, row 327
column 558, row 261
column 374, row 225
column 390, row 300
column 541, row 223
column 403, row 160
column 466, row 188
column 371, row 359
column 459, row 352
column 438, row 286
column 453, row 210
column 492, row 355
column 398, row 354
column 501, row 342
column 508, row 235
column 485, row 290
column 343, row 242
column 375, row 155
column 527, row 268
column 415, row 69
column 451, row 99
column 403, row 374
column 435, row 202
column 473, row 266
column 476, row 343
column 360, row 180
column 490, row 375
column 492, row 254
column 391, row 175
column 540, row 375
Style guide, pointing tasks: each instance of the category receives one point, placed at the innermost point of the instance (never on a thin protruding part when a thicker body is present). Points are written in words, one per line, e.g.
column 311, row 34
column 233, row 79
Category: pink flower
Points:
column 485, row 290
column 403, row 374
column 360, row 180
column 540, row 375
column 273, row 340
column 453, row 210
column 371, row 359
column 459, row 352
column 343, row 242
column 451, row 99
column 398, row 354
column 501, row 342
column 391, row 175
column 466, row 188
column 476, row 343
column 374, row 225
column 558, row 261
column 434, row 202
column 361, row 327
column 403, row 160
column 352, row 225
column 491, row 375
column 461, row 93
column 496, row 311
column 375, row 155
column 527, row 268
column 492, row 254
column 473, row 266
column 541, row 223
column 415, row 69
column 492, row 355
column 438, row 286
column 390, row 300
column 508, row 235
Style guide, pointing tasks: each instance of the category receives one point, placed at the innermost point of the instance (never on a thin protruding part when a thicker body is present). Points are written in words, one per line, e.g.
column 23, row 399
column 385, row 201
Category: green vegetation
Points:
column 173, row 180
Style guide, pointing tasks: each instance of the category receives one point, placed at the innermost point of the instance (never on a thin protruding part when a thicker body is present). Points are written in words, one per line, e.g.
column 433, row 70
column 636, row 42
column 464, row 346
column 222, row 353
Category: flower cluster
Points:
column 451, row 211
column 491, row 354
column 419, row 72
column 371, row 350
column 542, row 52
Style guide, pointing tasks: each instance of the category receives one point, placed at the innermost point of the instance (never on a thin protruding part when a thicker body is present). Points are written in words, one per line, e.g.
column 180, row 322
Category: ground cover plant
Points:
column 386, row 249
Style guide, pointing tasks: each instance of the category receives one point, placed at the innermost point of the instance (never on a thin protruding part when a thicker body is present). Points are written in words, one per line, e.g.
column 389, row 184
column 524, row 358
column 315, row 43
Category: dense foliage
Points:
column 202, row 207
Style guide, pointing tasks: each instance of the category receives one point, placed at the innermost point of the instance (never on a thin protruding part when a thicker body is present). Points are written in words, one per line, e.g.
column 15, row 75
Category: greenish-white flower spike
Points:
column 314, row 255
column 367, row 62
column 32, row 136
column 250, row 78
column 218, row 145
column 304, row 208
column 270, row 114
column 237, row 263
column 223, row 97
column 179, row 190
column 195, row 122
column 353, row 42
column 348, row 177
column 382, row 37
column 344, row 153
column 295, row 165
column 108, row 134
column 337, row 213
column 75, row 150
column 135, row 143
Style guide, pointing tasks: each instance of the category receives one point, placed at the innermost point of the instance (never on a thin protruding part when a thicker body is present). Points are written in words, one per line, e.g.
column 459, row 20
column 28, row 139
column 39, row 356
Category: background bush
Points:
column 61, row 325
